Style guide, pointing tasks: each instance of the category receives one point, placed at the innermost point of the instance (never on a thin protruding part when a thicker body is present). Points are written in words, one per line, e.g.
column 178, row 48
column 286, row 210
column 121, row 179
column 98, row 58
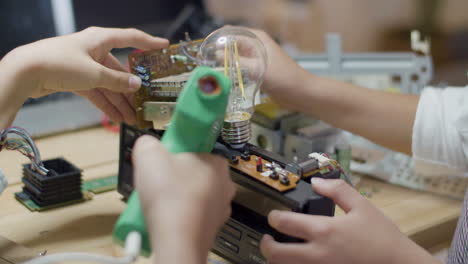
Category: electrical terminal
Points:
column 322, row 160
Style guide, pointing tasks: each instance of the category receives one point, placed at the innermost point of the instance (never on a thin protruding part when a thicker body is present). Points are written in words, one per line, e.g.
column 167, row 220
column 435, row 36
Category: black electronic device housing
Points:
column 238, row 241
column 62, row 183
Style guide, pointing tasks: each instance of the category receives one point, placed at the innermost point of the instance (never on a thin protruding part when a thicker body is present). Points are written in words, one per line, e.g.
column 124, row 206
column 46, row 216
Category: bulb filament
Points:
column 232, row 44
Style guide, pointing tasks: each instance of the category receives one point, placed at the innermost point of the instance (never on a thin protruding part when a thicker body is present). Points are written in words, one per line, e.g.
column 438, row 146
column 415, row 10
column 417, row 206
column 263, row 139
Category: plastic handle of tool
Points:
column 195, row 126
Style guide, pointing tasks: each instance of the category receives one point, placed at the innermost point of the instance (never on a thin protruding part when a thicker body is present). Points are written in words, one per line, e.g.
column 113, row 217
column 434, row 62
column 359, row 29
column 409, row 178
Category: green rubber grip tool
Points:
column 195, row 126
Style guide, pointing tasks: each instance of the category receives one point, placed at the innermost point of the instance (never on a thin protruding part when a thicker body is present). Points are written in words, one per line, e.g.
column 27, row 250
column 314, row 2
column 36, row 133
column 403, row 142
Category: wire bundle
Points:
column 24, row 144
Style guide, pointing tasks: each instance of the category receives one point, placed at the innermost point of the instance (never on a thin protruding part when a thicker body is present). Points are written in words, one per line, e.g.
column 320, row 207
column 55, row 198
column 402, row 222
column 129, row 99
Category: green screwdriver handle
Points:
column 194, row 127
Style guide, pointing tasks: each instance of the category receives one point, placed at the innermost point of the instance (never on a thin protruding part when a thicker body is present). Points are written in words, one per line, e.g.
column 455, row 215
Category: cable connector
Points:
column 322, row 160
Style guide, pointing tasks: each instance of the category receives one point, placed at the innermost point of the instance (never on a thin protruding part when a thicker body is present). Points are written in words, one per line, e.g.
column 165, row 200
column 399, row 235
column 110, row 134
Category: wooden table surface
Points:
column 86, row 227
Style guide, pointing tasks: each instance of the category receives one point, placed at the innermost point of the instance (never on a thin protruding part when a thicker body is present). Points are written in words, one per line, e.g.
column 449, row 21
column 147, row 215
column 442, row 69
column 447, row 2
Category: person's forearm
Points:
column 176, row 250
column 382, row 117
column 173, row 243
column 13, row 88
column 412, row 253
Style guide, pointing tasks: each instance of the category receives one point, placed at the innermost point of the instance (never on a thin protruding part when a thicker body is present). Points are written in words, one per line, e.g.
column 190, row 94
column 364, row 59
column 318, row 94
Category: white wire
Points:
column 58, row 258
column 3, row 182
column 133, row 244
column 132, row 251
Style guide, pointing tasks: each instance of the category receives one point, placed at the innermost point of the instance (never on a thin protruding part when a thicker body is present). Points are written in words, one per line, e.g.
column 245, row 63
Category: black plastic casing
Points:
column 238, row 241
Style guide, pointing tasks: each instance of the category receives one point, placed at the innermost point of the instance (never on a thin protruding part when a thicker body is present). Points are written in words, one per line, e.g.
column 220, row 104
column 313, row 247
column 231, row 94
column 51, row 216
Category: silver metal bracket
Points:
column 159, row 113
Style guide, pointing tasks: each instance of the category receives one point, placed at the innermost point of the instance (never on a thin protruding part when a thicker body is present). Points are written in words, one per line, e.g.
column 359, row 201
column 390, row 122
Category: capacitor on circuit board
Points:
column 284, row 180
column 245, row 156
column 234, row 160
column 144, row 77
column 259, row 164
column 274, row 174
column 145, row 83
column 141, row 69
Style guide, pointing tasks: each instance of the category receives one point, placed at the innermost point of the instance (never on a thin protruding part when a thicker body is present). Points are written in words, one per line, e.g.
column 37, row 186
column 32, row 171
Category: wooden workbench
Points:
column 86, row 227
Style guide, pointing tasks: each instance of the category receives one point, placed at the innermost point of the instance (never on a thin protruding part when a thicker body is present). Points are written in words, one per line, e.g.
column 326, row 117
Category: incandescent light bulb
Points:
column 241, row 56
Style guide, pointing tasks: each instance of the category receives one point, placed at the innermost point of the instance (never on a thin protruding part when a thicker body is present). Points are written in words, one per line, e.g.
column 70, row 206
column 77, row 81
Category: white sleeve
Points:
column 440, row 132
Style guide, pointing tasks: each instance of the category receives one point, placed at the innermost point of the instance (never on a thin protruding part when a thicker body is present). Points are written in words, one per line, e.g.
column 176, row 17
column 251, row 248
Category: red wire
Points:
column 109, row 125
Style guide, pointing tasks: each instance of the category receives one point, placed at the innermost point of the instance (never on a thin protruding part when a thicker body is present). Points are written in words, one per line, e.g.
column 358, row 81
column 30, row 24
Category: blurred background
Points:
column 365, row 25
column 299, row 25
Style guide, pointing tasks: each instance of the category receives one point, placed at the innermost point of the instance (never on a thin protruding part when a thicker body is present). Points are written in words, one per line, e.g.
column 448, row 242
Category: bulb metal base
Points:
column 236, row 133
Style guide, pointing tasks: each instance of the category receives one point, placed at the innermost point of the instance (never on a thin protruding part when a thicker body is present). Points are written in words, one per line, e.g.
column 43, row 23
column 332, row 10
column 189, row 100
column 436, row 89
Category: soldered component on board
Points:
column 269, row 173
column 170, row 86
column 259, row 164
column 274, row 175
column 284, row 180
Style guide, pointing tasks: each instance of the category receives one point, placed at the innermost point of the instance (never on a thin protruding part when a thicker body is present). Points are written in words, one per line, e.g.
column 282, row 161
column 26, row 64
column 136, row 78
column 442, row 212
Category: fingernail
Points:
column 145, row 140
column 266, row 237
column 317, row 180
column 272, row 217
column 134, row 83
column 274, row 213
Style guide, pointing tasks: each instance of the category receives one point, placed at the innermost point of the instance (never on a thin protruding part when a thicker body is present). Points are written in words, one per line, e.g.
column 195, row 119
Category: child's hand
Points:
column 186, row 198
column 284, row 78
column 363, row 235
column 82, row 63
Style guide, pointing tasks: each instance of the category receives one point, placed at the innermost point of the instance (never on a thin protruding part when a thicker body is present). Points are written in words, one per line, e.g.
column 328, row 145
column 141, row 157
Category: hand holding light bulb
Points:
column 240, row 55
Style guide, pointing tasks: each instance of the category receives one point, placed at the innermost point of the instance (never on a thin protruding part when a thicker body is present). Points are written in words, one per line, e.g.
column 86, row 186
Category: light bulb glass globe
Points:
column 241, row 56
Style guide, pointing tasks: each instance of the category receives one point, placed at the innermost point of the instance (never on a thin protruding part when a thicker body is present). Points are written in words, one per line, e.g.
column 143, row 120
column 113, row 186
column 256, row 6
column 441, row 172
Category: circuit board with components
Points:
column 277, row 177
column 163, row 73
column 269, row 173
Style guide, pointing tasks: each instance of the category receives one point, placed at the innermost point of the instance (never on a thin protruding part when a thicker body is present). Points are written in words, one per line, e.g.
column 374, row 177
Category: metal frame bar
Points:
column 414, row 70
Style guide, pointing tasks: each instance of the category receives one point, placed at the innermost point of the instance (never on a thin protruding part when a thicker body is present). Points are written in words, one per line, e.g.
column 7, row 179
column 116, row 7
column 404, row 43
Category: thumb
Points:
column 339, row 191
column 149, row 157
column 117, row 81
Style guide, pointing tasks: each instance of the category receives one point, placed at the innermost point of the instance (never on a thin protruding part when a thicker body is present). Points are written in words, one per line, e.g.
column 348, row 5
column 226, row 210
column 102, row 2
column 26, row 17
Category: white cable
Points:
column 133, row 245
column 59, row 258
column 132, row 251
column 3, row 182
column 64, row 17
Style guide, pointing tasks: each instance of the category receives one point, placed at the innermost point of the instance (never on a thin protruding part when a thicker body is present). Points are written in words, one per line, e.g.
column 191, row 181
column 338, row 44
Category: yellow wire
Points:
column 239, row 73
column 226, row 58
